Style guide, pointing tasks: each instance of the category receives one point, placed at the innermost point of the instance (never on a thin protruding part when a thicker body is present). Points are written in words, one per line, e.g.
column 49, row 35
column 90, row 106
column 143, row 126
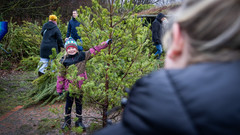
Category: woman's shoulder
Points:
column 154, row 79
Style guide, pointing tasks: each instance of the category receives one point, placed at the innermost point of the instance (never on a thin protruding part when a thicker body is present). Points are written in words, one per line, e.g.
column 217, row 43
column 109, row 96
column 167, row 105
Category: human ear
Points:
column 177, row 46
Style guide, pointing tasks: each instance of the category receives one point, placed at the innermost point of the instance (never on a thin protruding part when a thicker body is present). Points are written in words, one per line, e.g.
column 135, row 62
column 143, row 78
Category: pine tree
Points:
column 123, row 62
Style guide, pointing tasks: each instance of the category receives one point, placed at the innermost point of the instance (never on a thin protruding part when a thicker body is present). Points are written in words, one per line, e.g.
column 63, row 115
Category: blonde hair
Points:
column 53, row 17
column 211, row 27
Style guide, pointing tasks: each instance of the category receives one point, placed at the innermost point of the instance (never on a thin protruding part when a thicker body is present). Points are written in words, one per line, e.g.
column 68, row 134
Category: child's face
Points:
column 72, row 51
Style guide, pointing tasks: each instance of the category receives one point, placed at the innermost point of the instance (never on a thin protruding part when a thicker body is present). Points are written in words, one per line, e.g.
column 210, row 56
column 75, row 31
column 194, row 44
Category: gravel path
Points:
column 40, row 120
column 36, row 120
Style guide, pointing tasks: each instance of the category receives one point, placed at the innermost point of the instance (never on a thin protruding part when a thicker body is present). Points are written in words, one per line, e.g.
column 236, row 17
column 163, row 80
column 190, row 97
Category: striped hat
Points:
column 70, row 43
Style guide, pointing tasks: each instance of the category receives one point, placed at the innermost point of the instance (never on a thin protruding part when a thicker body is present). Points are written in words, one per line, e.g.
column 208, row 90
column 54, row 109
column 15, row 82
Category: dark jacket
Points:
column 52, row 38
column 72, row 31
column 202, row 99
column 157, row 29
column 73, row 59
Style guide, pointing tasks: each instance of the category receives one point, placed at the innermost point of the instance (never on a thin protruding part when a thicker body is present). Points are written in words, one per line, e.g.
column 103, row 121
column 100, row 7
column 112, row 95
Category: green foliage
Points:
column 144, row 7
column 5, row 65
column 46, row 125
column 45, row 85
column 113, row 69
column 123, row 62
column 78, row 130
column 29, row 64
column 94, row 127
column 72, row 74
column 23, row 40
column 13, row 90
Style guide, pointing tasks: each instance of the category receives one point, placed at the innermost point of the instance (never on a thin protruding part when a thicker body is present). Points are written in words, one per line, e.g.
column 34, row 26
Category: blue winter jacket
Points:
column 72, row 31
column 201, row 99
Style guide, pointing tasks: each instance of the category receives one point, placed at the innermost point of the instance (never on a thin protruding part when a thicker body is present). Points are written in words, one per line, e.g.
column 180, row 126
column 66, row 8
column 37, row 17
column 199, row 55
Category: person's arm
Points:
column 59, row 39
column 98, row 48
column 42, row 31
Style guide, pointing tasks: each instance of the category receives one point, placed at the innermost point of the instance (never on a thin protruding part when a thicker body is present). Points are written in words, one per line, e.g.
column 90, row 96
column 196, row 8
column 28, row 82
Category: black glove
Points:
column 109, row 41
column 60, row 94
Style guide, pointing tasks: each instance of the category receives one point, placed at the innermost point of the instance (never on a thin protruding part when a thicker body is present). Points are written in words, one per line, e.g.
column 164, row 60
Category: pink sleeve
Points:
column 98, row 48
column 60, row 84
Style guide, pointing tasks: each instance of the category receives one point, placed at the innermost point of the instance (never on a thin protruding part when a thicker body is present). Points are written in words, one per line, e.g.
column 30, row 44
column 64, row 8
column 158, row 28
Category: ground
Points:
column 46, row 120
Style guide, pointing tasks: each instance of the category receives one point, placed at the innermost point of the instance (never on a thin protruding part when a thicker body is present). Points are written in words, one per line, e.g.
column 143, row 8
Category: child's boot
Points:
column 40, row 73
column 67, row 122
column 79, row 122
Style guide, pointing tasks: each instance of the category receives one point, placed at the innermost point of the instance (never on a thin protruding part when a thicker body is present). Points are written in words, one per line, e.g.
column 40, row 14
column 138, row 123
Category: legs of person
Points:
column 78, row 101
column 79, row 123
column 69, row 103
column 40, row 73
column 68, row 109
column 159, row 50
column 43, row 63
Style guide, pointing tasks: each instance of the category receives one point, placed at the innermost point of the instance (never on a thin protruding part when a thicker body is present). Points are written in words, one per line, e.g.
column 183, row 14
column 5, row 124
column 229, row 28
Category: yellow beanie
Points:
column 53, row 17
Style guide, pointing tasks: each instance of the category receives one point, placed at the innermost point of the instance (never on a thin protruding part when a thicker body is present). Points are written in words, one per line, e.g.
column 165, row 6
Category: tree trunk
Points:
column 105, row 106
column 105, row 117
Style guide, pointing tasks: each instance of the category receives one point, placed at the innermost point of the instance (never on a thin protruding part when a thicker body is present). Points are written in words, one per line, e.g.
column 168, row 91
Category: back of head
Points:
column 53, row 18
column 211, row 27
column 160, row 16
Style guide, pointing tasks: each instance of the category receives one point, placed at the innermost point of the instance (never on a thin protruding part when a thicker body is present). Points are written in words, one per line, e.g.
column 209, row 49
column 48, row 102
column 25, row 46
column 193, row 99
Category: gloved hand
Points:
column 60, row 94
column 109, row 41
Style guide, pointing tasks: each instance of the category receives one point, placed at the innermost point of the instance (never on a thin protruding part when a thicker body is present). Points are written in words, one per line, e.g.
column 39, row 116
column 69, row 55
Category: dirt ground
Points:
column 36, row 120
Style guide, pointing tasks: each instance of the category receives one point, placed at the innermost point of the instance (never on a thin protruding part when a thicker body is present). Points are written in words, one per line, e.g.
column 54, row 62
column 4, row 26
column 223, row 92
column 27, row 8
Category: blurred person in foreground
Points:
column 198, row 92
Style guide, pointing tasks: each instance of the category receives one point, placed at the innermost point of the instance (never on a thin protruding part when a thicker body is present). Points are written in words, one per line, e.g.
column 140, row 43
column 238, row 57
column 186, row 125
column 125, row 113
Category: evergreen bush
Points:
column 44, row 91
column 113, row 69
column 123, row 62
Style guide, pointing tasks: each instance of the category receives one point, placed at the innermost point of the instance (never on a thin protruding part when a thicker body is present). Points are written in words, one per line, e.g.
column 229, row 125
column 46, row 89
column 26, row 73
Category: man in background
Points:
column 157, row 33
column 72, row 31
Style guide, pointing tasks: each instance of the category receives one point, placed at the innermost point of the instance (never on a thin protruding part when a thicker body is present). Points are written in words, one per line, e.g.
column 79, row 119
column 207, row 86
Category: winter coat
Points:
column 157, row 30
column 202, row 99
column 80, row 59
column 72, row 31
column 52, row 38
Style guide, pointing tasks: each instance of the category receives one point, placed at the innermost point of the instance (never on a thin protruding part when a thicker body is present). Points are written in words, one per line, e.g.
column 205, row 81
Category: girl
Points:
column 73, row 56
